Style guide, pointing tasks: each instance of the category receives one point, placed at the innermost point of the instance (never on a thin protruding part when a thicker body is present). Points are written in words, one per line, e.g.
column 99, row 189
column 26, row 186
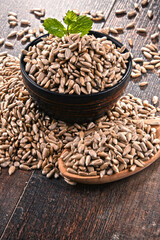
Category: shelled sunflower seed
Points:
column 1, row 41
column 25, row 22
column 131, row 14
column 136, row 6
column 155, row 100
column 144, row 3
column 76, row 65
column 120, row 11
column 39, row 12
column 12, row 19
column 130, row 25
column 150, row 13
column 9, row 44
column 12, row 34
column 155, row 35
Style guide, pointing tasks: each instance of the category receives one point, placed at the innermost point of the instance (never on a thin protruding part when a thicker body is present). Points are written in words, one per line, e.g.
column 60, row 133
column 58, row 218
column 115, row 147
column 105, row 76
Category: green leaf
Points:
column 83, row 25
column 53, row 26
column 70, row 17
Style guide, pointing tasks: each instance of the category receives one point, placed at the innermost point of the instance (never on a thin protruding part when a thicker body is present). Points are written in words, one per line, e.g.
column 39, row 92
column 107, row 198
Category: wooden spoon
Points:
column 116, row 176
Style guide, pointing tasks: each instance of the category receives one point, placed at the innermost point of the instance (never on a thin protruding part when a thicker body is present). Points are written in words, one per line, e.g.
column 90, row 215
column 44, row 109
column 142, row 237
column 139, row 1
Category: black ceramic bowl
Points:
column 76, row 108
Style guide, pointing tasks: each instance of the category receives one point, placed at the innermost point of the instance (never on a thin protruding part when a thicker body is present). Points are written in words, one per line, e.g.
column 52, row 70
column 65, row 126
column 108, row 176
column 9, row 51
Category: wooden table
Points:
column 33, row 207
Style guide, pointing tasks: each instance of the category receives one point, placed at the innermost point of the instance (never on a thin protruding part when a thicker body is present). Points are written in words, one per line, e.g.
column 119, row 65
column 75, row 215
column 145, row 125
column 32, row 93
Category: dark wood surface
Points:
column 33, row 207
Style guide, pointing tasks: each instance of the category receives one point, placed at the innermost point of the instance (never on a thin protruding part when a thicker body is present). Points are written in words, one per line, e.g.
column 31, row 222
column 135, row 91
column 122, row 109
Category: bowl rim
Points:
column 100, row 93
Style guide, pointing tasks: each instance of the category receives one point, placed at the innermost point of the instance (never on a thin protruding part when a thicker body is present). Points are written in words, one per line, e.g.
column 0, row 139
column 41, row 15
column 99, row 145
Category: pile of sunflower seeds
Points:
column 29, row 139
column 111, row 146
column 76, row 65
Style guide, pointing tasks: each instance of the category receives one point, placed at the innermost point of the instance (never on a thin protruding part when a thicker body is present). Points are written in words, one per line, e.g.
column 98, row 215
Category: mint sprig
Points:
column 75, row 24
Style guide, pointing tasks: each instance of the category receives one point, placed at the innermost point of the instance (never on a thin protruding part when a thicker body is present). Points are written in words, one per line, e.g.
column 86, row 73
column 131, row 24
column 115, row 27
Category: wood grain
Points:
column 11, row 188
column 51, row 209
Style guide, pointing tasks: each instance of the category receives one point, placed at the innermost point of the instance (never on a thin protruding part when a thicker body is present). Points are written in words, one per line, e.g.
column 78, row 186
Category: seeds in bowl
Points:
column 76, row 65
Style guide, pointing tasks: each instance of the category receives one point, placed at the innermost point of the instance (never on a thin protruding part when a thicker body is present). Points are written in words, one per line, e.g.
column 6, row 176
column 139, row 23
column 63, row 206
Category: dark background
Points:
column 33, row 207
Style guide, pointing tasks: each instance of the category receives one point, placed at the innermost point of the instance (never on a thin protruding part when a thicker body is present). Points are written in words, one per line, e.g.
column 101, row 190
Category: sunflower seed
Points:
column 141, row 30
column 9, row 44
column 11, row 34
column 131, row 14
column 154, row 36
column 11, row 170
column 144, row 3
column 136, row 6
column 12, row 18
column 155, row 100
column 147, row 54
column 13, row 14
column 13, row 23
column 130, row 42
column 25, row 22
column 130, row 25
column 1, row 41
column 149, row 13
column 142, row 84
column 120, row 12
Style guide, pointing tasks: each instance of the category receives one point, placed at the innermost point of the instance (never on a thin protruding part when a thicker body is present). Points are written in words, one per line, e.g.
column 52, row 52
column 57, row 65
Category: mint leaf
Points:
column 83, row 25
column 53, row 26
column 70, row 17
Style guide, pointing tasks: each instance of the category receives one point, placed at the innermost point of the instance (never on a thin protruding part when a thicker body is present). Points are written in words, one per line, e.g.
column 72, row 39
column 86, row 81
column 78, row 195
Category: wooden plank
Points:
column 56, row 9
column 11, row 188
column 128, row 209
column 51, row 209
column 141, row 20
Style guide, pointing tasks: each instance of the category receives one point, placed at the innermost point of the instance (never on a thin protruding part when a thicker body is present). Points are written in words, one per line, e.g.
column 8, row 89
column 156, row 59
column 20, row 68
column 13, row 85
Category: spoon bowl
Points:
column 116, row 176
